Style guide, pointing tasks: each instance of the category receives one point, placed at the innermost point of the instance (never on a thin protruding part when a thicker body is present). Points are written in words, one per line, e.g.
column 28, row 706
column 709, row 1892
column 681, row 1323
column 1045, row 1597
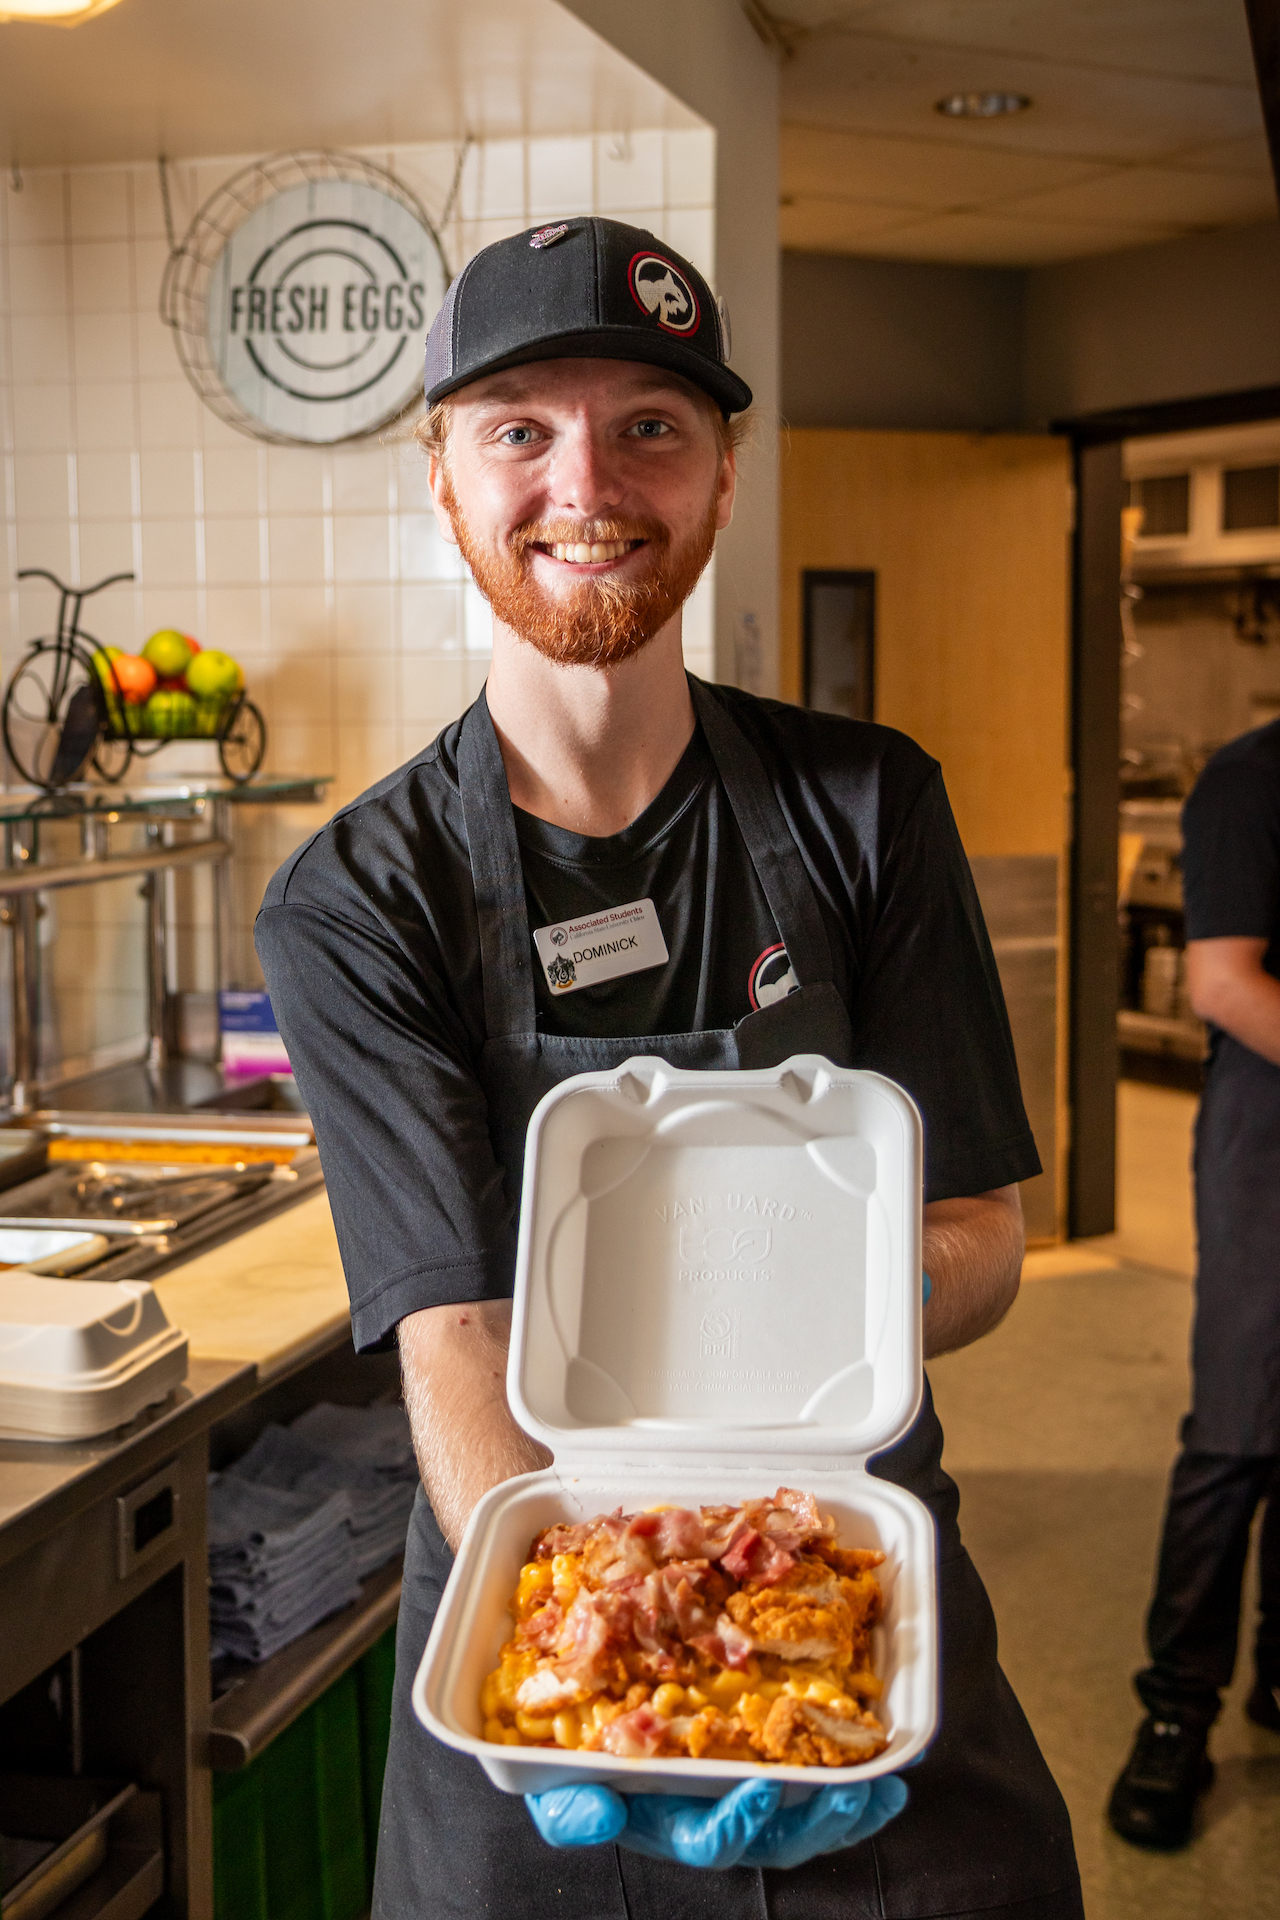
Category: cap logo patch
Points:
column 547, row 236
column 662, row 290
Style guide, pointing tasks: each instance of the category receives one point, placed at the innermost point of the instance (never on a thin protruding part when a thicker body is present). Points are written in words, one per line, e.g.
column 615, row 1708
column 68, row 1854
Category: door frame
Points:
column 1093, row 961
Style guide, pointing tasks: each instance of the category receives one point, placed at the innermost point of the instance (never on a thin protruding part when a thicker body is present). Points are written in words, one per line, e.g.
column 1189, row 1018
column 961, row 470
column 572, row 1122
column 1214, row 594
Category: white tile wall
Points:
column 321, row 570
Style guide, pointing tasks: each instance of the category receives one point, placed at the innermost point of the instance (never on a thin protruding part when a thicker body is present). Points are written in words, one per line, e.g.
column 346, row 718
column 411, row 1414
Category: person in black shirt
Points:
column 1231, row 1438
column 806, row 879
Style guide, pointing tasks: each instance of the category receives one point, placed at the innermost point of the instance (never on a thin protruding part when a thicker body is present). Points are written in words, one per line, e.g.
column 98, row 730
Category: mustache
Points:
column 598, row 530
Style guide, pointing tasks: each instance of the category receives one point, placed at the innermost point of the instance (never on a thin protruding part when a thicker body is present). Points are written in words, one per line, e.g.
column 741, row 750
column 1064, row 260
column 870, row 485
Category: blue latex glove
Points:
column 746, row 1828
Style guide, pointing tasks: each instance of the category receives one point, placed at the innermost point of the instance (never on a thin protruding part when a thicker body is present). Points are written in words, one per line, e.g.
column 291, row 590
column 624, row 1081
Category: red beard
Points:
column 605, row 620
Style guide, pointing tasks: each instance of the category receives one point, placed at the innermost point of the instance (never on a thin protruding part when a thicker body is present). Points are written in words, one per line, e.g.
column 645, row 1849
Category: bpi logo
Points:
column 663, row 291
column 719, row 1333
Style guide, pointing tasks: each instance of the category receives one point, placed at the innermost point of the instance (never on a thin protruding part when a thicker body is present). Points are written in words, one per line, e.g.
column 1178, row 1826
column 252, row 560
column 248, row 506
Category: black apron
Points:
column 986, row 1829
column 1236, row 1342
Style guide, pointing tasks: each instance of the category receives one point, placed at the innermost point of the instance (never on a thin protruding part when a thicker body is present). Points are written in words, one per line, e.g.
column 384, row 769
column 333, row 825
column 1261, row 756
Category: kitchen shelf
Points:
column 131, row 1877
column 266, row 1699
column 1183, row 1037
column 125, row 1887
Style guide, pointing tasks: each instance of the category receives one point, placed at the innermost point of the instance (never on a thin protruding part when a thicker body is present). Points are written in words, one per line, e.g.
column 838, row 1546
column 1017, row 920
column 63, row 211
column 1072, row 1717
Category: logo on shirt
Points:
column 771, row 978
column 663, row 291
column 562, row 973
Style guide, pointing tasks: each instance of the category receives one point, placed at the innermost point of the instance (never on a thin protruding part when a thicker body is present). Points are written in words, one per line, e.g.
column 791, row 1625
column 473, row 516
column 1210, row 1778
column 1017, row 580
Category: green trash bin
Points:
column 344, row 1882
column 291, row 1825
column 375, row 1676
column 239, row 1848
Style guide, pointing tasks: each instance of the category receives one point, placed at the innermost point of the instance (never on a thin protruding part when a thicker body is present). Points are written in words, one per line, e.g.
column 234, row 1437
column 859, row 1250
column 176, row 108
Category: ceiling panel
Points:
column 995, row 240
column 1196, row 39
column 906, row 172
column 195, row 77
column 841, row 226
column 1144, row 124
column 1142, row 194
column 1250, row 155
column 888, row 86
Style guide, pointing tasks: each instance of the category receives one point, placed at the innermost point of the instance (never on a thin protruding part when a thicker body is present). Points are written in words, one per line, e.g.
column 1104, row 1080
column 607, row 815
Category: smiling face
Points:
column 586, row 496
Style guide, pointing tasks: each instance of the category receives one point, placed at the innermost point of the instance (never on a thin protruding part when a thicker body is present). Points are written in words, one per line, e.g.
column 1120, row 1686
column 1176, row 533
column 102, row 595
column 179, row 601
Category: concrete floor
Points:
column 1060, row 1430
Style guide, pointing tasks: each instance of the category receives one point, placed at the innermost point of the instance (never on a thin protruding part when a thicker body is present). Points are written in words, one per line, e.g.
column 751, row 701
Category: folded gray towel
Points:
column 301, row 1519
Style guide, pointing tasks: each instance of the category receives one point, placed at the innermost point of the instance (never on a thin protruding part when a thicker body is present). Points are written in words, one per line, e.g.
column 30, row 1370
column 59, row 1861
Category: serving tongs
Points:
column 115, row 1202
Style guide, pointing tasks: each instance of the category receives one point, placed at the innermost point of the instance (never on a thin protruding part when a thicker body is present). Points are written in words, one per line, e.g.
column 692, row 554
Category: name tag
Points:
column 601, row 946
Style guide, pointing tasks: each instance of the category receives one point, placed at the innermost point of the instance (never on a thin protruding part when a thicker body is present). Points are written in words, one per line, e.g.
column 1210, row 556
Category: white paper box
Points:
column 79, row 1357
column 717, row 1293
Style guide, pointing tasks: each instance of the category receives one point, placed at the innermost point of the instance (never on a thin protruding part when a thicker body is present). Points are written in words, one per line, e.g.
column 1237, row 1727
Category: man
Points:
column 1231, row 1437
column 582, row 458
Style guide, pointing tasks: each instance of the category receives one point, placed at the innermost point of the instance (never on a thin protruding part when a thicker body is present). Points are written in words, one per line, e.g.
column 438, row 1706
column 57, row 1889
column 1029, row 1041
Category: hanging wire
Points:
column 447, row 209
column 163, row 165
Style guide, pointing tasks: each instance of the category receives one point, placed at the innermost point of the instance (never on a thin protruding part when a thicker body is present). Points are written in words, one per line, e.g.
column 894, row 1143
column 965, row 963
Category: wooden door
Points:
column 968, row 538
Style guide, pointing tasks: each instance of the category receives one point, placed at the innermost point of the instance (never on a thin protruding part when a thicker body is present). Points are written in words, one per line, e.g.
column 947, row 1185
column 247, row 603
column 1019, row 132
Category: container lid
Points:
column 720, row 1263
column 65, row 1332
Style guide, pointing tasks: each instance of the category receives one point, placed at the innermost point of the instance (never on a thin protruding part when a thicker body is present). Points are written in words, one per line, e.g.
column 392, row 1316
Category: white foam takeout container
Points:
column 717, row 1293
column 79, row 1357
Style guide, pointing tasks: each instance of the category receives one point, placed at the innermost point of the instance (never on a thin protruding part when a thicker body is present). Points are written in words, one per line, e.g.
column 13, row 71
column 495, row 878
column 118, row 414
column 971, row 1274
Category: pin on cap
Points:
column 588, row 289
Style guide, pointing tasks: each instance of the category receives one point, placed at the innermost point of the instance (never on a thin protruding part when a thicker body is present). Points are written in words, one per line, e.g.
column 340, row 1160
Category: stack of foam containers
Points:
column 79, row 1357
column 718, row 1291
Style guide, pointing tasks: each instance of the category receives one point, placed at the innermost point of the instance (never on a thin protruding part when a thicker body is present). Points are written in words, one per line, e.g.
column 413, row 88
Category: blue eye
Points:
column 518, row 436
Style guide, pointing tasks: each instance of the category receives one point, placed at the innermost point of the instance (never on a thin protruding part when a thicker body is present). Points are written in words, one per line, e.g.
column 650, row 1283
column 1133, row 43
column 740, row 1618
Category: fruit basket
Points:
column 71, row 703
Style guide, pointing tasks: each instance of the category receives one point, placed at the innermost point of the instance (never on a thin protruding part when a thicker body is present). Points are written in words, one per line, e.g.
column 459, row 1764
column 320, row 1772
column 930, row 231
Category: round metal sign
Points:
column 317, row 307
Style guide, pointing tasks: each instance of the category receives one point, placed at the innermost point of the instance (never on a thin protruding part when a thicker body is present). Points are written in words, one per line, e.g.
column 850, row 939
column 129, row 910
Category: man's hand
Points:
column 973, row 1255
column 454, row 1363
column 1227, row 983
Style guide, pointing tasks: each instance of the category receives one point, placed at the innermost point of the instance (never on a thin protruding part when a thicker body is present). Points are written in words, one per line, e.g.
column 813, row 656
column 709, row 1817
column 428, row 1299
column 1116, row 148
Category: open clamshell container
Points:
column 717, row 1292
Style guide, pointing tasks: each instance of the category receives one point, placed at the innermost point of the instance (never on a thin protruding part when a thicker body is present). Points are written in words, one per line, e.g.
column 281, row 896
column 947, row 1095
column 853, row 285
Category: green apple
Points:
column 168, row 715
column 168, row 652
column 214, row 676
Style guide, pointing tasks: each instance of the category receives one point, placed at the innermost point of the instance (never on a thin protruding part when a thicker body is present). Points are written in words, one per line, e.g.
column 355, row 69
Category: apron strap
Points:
column 774, row 851
column 505, row 947
column 506, row 966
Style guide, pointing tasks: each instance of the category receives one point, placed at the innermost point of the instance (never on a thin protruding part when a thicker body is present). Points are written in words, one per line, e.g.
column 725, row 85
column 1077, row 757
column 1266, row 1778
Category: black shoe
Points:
column 1153, row 1801
column 1263, row 1705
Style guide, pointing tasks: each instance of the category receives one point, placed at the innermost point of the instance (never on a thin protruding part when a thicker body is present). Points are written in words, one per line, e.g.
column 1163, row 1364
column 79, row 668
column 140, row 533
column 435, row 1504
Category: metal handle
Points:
column 146, row 1520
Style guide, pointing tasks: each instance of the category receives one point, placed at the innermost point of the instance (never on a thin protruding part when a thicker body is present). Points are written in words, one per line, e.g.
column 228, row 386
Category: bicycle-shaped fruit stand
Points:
column 64, row 709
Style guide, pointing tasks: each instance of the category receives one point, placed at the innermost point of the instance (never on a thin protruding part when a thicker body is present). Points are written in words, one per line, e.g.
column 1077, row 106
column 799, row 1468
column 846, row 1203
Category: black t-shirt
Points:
column 368, row 938
column 1231, row 849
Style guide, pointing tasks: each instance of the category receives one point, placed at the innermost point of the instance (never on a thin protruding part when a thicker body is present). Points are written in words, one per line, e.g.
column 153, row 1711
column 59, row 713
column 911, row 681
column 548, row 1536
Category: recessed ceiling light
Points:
column 982, row 106
column 53, row 13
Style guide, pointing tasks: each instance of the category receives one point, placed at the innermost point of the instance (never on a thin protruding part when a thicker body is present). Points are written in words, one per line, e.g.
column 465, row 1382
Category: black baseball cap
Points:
column 582, row 288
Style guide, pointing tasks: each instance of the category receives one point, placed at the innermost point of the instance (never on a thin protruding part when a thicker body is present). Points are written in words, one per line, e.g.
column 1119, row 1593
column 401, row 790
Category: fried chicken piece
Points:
column 804, row 1616
column 807, row 1734
column 850, row 1560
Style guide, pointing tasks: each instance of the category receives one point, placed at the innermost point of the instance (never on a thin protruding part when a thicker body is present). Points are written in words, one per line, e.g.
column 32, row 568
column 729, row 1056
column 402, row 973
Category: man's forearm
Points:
column 973, row 1256
column 454, row 1364
column 1229, row 985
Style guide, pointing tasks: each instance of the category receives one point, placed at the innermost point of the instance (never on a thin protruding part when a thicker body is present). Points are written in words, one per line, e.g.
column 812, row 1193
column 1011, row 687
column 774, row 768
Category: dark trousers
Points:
column 1193, row 1628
